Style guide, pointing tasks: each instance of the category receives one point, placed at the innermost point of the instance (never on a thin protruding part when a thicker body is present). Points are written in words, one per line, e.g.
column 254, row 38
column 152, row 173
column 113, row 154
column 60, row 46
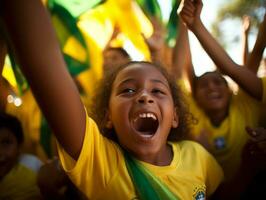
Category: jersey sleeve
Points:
column 97, row 162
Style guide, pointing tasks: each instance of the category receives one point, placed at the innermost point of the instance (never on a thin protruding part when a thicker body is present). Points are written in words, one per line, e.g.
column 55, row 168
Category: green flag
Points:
column 151, row 8
column 67, row 14
column 172, row 25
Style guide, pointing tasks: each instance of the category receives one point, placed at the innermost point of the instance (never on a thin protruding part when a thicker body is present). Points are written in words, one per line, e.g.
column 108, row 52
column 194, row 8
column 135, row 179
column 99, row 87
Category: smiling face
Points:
column 141, row 110
column 9, row 151
column 212, row 92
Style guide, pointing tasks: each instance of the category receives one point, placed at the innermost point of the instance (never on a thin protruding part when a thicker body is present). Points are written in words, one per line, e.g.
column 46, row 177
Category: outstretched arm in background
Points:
column 182, row 61
column 33, row 40
column 245, row 32
column 246, row 79
column 254, row 59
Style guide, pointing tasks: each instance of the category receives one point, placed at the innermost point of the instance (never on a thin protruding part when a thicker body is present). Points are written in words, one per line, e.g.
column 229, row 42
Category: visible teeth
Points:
column 146, row 136
column 148, row 115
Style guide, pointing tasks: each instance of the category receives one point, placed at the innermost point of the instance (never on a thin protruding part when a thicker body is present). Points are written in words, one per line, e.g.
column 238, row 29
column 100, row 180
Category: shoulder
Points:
column 193, row 152
column 189, row 145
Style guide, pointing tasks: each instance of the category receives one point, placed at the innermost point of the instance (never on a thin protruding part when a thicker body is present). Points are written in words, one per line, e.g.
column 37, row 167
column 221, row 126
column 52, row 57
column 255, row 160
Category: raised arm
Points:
column 246, row 79
column 182, row 61
column 32, row 38
column 254, row 59
column 245, row 33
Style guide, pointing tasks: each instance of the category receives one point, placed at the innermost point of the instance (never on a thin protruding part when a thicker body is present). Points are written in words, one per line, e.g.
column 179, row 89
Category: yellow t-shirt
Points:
column 227, row 140
column 264, row 90
column 101, row 173
column 19, row 184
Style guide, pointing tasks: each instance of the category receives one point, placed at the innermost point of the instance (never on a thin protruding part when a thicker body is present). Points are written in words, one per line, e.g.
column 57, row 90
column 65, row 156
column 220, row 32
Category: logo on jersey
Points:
column 219, row 143
column 199, row 193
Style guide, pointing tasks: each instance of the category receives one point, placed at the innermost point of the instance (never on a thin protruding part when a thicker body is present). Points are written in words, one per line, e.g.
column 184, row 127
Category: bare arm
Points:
column 182, row 61
column 245, row 32
column 36, row 48
column 156, row 41
column 254, row 59
column 246, row 79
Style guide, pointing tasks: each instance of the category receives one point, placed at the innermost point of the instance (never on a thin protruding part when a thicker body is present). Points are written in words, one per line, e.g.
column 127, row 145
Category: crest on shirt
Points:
column 219, row 143
column 199, row 193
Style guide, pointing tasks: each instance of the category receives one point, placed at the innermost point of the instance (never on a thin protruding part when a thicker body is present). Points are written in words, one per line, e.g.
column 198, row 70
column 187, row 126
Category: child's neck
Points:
column 162, row 158
column 217, row 118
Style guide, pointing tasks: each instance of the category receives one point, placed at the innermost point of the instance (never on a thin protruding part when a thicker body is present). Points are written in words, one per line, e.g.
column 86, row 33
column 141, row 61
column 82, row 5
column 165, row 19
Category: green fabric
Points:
column 151, row 7
column 21, row 81
column 75, row 7
column 45, row 137
column 172, row 25
column 146, row 184
column 68, row 13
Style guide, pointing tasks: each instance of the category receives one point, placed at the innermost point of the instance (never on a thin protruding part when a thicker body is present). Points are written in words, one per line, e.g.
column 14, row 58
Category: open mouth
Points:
column 146, row 124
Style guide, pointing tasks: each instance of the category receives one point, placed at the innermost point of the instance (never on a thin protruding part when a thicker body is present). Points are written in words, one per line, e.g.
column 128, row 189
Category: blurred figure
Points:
column 246, row 115
column 115, row 57
column 255, row 152
column 159, row 50
column 55, row 184
column 17, row 180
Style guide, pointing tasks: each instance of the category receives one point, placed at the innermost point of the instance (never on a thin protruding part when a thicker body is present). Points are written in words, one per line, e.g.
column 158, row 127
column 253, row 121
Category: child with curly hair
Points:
column 131, row 147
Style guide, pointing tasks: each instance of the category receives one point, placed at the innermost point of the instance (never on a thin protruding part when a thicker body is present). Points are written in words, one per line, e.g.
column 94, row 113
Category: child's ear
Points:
column 108, row 123
column 175, row 121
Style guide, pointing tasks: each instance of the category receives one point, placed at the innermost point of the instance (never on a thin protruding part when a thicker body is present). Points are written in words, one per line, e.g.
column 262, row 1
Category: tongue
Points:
column 145, row 126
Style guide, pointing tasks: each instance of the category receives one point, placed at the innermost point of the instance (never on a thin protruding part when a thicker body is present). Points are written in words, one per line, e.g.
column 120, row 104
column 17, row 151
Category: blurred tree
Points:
column 236, row 9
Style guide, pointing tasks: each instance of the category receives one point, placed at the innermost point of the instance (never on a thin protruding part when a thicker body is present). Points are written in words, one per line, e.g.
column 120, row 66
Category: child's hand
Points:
column 254, row 152
column 189, row 11
column 258, row 136
column 246, row 23
column 156, row 41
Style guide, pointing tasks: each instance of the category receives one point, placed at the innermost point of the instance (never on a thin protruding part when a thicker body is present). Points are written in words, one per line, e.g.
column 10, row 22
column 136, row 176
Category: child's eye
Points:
column 128, row 90
column 159, row 91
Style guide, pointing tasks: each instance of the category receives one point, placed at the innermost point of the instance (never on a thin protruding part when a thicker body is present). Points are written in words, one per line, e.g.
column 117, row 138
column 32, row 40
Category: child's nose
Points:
column 145, row 97
column 211, row 85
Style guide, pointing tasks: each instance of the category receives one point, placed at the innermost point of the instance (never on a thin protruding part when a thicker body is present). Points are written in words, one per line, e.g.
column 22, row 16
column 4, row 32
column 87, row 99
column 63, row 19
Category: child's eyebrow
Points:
column 126, row 81
column 152, row 80
column 160, row 81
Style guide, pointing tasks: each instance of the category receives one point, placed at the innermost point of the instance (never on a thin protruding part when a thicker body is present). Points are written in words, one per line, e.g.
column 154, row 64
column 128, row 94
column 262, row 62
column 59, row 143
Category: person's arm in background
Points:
column 245, row 32
column 156, row 43
column 182, row 60
column 3, row 86
column 32, row 38
column 245, row 78
column 254, row 58
column 190, row 14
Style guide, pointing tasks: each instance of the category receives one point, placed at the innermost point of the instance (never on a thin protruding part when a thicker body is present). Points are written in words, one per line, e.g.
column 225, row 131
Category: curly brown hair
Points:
column 100, row 102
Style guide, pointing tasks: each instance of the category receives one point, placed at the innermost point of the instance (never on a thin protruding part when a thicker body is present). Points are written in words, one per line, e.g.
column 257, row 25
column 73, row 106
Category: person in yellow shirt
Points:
column 131, row 147
column 17, row 180
column 237, row 112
